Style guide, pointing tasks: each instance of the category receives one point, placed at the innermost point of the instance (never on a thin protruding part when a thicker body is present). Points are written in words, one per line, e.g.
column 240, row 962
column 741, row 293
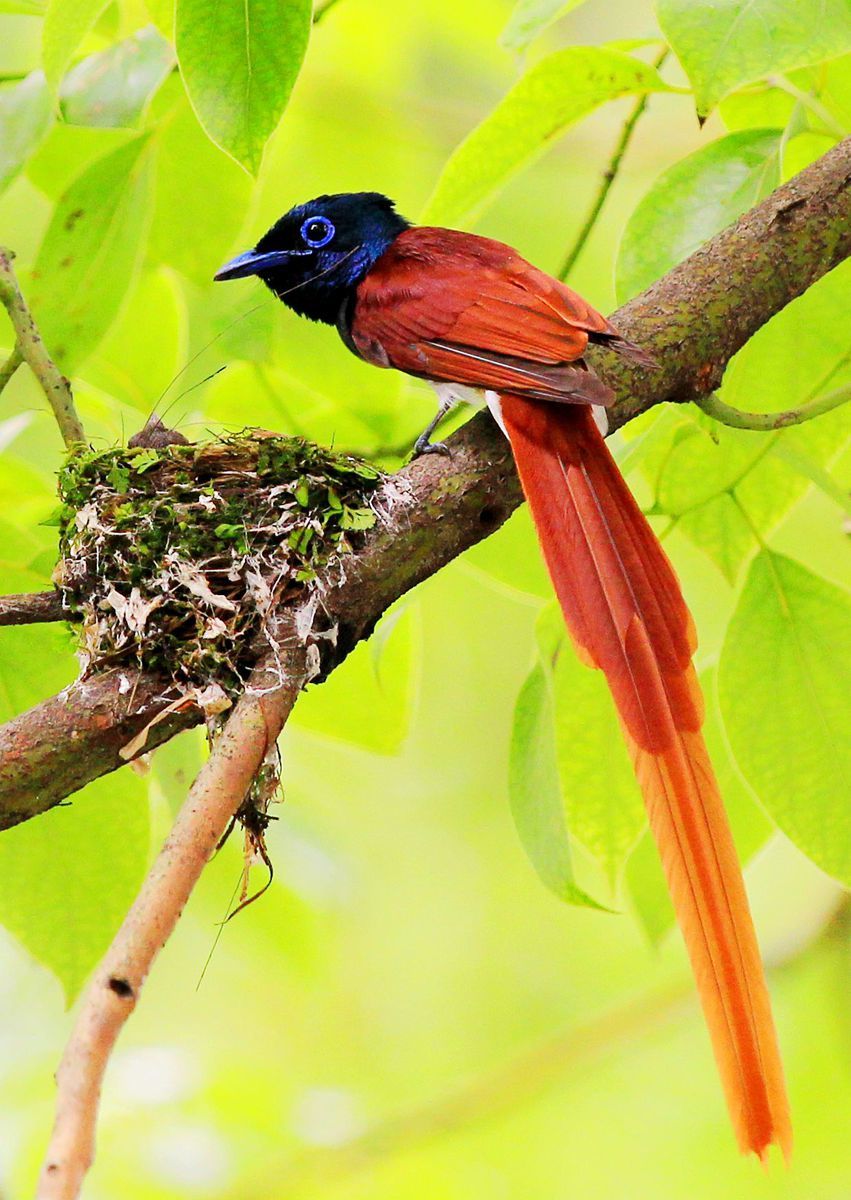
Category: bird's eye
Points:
column 317, row 231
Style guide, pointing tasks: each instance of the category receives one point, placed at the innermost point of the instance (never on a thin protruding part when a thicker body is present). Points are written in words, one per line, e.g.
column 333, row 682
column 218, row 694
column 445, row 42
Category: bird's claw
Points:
column 423, row 446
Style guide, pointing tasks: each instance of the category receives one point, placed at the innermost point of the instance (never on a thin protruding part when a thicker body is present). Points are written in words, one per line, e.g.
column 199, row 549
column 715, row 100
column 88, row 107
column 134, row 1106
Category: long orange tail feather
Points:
column 625, row 611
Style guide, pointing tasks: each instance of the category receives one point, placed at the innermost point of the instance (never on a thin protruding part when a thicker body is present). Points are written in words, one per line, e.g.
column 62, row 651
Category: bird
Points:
column 478, row 321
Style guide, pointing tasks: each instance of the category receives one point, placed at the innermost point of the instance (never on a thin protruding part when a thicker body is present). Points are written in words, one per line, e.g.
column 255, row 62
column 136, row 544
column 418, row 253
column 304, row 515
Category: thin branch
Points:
column 692, row 320
column 32, row 608
column 10, row 366
column 114, row 991
column 714, row 406
column 28, row 341
column 609, row 176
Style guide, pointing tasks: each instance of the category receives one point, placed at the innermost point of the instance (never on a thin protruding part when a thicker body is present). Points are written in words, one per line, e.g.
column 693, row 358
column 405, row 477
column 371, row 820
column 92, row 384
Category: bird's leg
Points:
column 447, row 400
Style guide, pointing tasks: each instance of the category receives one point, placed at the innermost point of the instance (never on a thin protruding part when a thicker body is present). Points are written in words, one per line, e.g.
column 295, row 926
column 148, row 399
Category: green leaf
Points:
column 66, row 23
column 531, row 17
column 90, row 252
column 696, row 464
column 602, row 802
column 26, row 7
column 786, row 704
column 800, row 461
column 534, row 790
column 161, row 13
column 368, row 701
column 70, row 875
column 557, row 91
column 112, row 89
column 723, row 44
column 718, row 528
column 239, row 60
column 760, row 107
column 751, row 828
column 26, row 115
column 691, row 201
column 200, row 199
column 35, row 661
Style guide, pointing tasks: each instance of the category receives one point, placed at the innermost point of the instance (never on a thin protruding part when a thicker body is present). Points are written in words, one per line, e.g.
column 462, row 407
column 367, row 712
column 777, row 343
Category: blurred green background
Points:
column 407, row 1012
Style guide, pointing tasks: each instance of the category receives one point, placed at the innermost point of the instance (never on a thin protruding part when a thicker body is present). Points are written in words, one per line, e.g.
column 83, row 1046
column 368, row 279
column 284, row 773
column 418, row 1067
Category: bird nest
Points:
column 175, row 558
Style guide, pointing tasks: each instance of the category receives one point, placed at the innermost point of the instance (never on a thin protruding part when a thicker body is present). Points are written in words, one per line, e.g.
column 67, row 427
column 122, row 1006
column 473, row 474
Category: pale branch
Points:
column 609, row 176
column 216, row 795
column 33, row 351
column 725, row 414
column 32, row 608
column 693, row 320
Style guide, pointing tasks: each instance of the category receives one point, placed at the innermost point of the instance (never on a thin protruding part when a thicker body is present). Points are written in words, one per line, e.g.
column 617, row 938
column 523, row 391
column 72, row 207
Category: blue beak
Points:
column 251, row 263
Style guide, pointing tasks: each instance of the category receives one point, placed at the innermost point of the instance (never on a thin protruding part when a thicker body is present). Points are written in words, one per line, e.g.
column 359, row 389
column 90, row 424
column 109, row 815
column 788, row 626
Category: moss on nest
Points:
column 172, row 557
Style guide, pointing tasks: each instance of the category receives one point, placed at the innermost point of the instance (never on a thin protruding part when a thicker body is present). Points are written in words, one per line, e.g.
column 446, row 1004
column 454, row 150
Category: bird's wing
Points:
column 463, row 309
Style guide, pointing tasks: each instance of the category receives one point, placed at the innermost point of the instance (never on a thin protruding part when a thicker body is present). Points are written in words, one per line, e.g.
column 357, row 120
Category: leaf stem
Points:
column 714, row 406
column 609, row 176
column 33, row 351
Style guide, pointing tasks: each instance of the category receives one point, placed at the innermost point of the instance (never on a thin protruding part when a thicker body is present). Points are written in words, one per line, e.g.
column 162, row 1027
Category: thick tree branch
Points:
column 110, row 998
column 692, row 321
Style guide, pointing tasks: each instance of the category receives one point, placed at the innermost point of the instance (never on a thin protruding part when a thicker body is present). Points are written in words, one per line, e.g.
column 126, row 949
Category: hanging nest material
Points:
column 173, row 557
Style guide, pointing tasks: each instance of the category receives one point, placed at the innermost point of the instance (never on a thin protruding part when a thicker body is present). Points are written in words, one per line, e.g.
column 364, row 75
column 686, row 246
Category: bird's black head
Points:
column 320, row 251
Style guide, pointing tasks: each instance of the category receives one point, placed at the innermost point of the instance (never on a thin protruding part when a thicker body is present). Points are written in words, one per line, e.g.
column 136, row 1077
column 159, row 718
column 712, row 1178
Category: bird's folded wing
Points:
column 447, row 306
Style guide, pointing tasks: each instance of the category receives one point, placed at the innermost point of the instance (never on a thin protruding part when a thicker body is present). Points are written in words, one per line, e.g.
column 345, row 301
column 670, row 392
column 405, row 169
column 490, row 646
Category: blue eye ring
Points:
column 317, row 237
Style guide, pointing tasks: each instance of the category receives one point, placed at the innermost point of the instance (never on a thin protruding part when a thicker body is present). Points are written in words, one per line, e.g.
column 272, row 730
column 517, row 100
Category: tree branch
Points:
column 32, row 608
column 32, row 349
column 110, row 998
column 692, row 321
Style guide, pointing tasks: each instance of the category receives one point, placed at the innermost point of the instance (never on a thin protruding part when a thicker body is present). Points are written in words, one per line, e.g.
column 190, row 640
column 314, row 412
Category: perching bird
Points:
column 466, row 312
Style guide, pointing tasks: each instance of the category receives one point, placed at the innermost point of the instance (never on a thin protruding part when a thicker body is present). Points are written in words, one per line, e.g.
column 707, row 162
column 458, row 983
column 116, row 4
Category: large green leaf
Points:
column 725, row 43
column 88, row 258
column 26, row 115
column 239, row 60
column 113, row 87
column 66, row 23
column 70, row 875
column 786, row 704
column 534, row 789
column 200, row 198
column 369, row 700
column 557, row 91
column 691, row 201
column 531, row 17
column 751, row 828
column 703, row 473
column 602, row 803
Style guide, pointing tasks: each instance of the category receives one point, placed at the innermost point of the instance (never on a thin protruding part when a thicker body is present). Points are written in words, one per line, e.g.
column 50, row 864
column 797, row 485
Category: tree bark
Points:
column 692, row 320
